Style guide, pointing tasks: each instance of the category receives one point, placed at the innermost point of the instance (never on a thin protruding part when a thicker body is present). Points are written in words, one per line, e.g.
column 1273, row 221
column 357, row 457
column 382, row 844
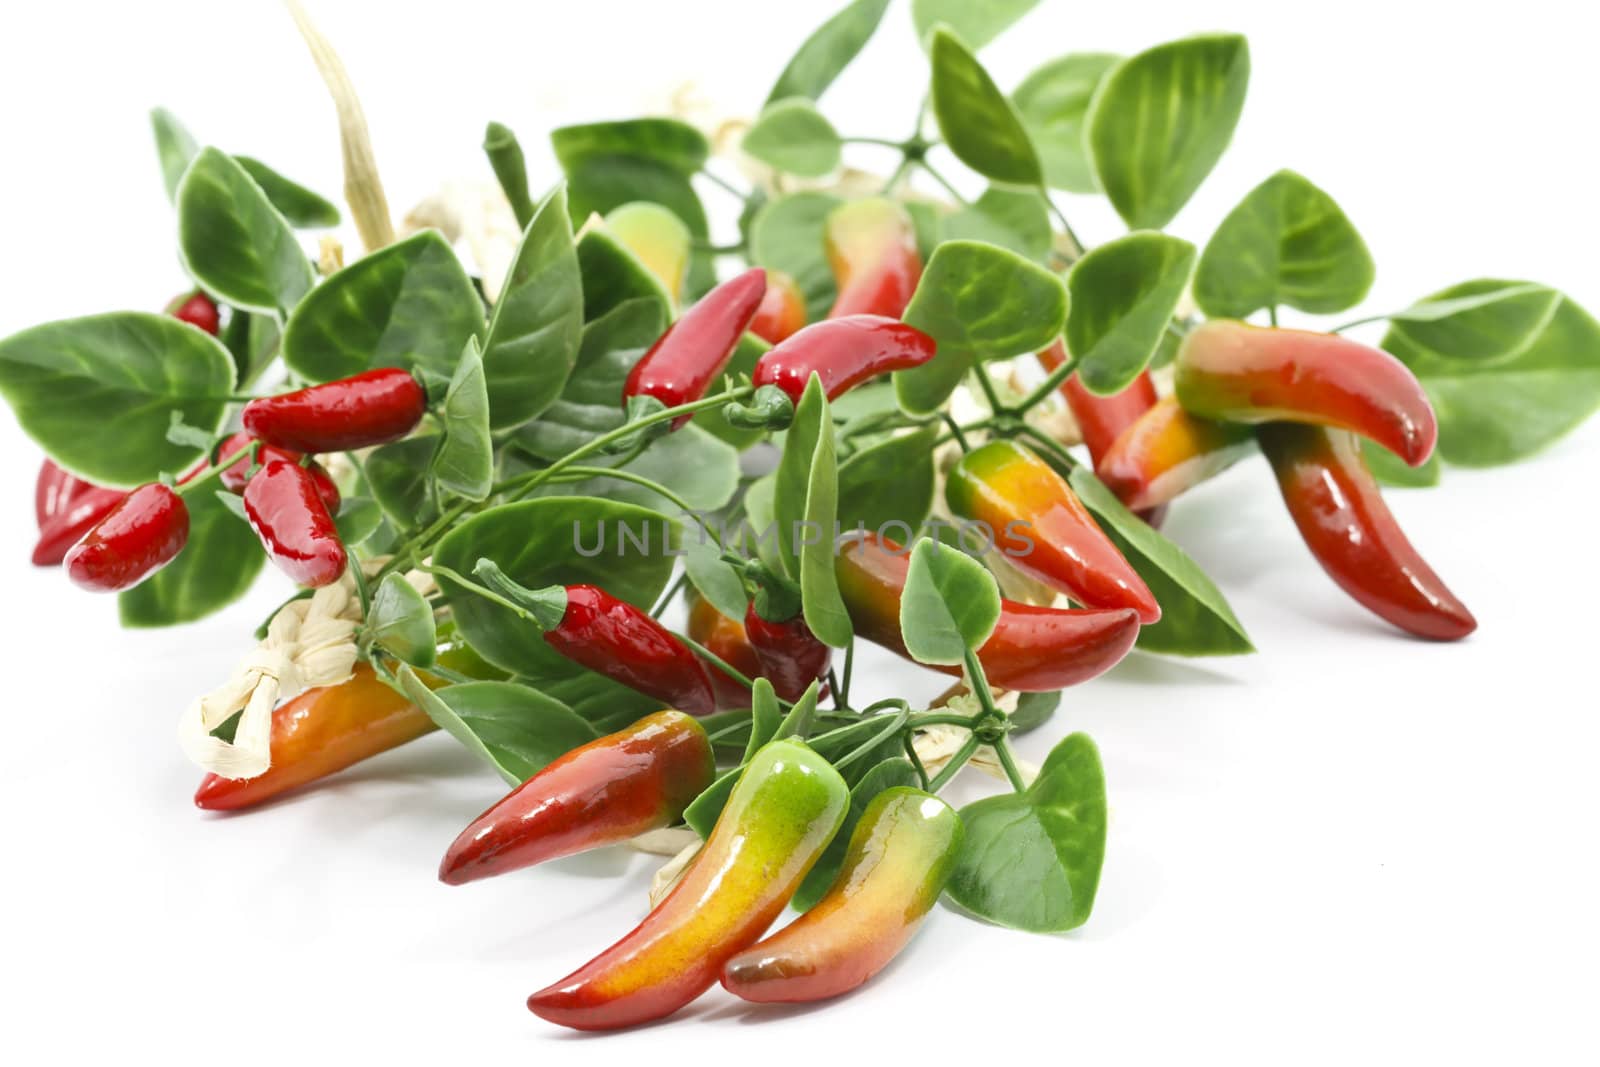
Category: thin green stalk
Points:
column 667, row 597
column 980, row 685
column 842, row 694
column 957, row 761
column 1051, row 383
column 581, row 473
column 215, row 470
column 987, row 385
column 910, row 744
column 722, row 183
column 944, row 183
column 481, row 590
column 882, row 142
column 1007, row 761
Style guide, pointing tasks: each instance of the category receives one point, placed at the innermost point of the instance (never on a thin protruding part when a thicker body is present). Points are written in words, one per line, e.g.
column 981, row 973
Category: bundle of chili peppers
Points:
column 520, row 480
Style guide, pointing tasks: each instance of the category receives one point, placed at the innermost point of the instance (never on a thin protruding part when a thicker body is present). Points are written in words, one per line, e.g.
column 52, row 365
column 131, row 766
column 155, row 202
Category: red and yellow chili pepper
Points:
column 783, row 309
column 1169, row 451
column 872, row 248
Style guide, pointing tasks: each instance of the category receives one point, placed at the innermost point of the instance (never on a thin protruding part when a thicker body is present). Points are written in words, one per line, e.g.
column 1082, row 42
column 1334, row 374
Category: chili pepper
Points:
column 786, row 806
column 53, row 491
column 1336, row 503
column 287, row 513
column 1168, row 451
column 197, row 309
column 902, row 853
column 842, row 352
column 1032, row 650
column 683, row 363
column 67, row 507
column 237, row 474
column 790, row 654
column 872, row 248
column 1238, row 373
column 1043, row 529
column 727, row 640
column 371, row 408
column 1101, row 419
column 782, row 311
column 143, row 533
column 618, row 787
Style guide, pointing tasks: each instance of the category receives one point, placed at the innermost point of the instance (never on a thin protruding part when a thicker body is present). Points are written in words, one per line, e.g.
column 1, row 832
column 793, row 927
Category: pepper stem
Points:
column 546, row 607
column 768, row 409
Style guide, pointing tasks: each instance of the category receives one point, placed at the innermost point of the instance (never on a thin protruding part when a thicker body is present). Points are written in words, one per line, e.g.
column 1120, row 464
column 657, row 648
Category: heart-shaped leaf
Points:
column 978, row 123
column 234, row 242
column 828, row 51
column 1054, row 104
column 1483, row 321
column 950, row 605
column 519, row 731
column 400, row 621
column 464, row 463
column 297, row 204
column 1124, row 294
column 793, row 136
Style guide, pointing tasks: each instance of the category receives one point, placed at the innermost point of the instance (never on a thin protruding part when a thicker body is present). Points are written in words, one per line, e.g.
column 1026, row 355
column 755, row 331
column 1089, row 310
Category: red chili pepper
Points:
column 1168, row 451
column 372, row 408
column 1043, row 529
column 1101, row 419
column 1033, row 649
column 782, row 311
column 143, row 533
column 618, row 787
column 237, row 474
column 790, row 654
column 67, row 507
column 197, row 309
column 727, row 640
column 53, row 491
column 1238, row 373
column 1339, row 509
column 683, row 363
column 287, row 512
column 872, row 247
column 842, row 352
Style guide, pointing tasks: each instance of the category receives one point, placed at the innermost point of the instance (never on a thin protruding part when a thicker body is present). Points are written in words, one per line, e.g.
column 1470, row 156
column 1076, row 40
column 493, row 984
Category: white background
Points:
column 1351, row 847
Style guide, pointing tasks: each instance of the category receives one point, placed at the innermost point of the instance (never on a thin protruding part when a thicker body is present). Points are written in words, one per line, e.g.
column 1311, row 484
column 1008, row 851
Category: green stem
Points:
column 882, row 142
column 833, row 687
column 1007, row 761
column 581, row 473
column 955, row 431
column 1077, row 248
column 989, row 393
column 723, row 183
column 666, row 598
column 1272, row 314
column 1051, row 383
column 957, row 761
column 842, row 694
column 1048, row 443
column 944, row 183
column 1368, row 321
column 482, row 590
column 980, row 685
column 910, row 744
column 215, row 470
column 941, row 718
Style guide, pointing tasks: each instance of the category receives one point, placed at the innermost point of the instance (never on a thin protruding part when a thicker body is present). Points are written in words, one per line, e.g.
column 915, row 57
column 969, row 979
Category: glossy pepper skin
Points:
column 1032, row 650
column 843, row 353
column 288, row 515
column 617, row 787
column 1339, row 509
column 872, row 248
column 1168, row 451
column 1101, row 419
column 727, row 640
column 1044, row 529
column 616, row 639
column 67, row 507
column 237, row 474
column 783, row 309
column 53, row 491
column 1253, row 374
column 790, row 654
column 787, row 805
column 691, row 355
column 371, row 408
column 140, row 535
column 901, row 855
column 197, row 309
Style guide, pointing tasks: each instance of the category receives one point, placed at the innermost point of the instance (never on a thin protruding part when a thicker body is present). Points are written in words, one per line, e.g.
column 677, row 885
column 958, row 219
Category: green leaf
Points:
column 979, row 302
column 802, row 718
column 537, row 326
column 677, row 145
column 297, row 204
column 1484, row 321
column 1499, row 411
column 794, row 137
column 253, row 341
column 1195, row 617
column 806, row 506
column 977, row 121
column 510, row 170
column 398, row 475
column 1031, row 861
column 1287, row 242
column 234, row 242
column 892, row 481
column 1054, row 104
column 401, row 623
column 715, row 580
column 1124, row 294
column 98, row 393
column 828, row 51
column 358, row 519
column 950, row 605
column 175, row 148
column 217, row 566
column 1162, row 119
column 787, row 235
column 1033, row 711
column 464, row 463
column 409, row 305
column 766, row 717
column 1010, row 218
column 703, row 811
column 591, row 402
column 613, row 276
column 977, row 22
column 552, row 541
column 1391, row 470
column 601, row 184
column 517, row 730
column 761, row 518
column 880, row 776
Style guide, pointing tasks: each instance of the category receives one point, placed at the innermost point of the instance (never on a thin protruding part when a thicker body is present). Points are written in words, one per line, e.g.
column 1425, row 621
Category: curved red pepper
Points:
column 1101, row 419
column 67, row 507
column 1168, row 451
column 782, row 311
column 53, row 491
column 683, row 363
column 1238, row 373
column 872, row 248
column 726, row 639
column 616, row 639
column 1043, row 529
column 287, row 512
column 237, row 474
column 1339, row 509
column 790, row 654
column 372, row 408
column 1033, row 649
column 143, row 533
column 197, row 309
column 617, row 787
